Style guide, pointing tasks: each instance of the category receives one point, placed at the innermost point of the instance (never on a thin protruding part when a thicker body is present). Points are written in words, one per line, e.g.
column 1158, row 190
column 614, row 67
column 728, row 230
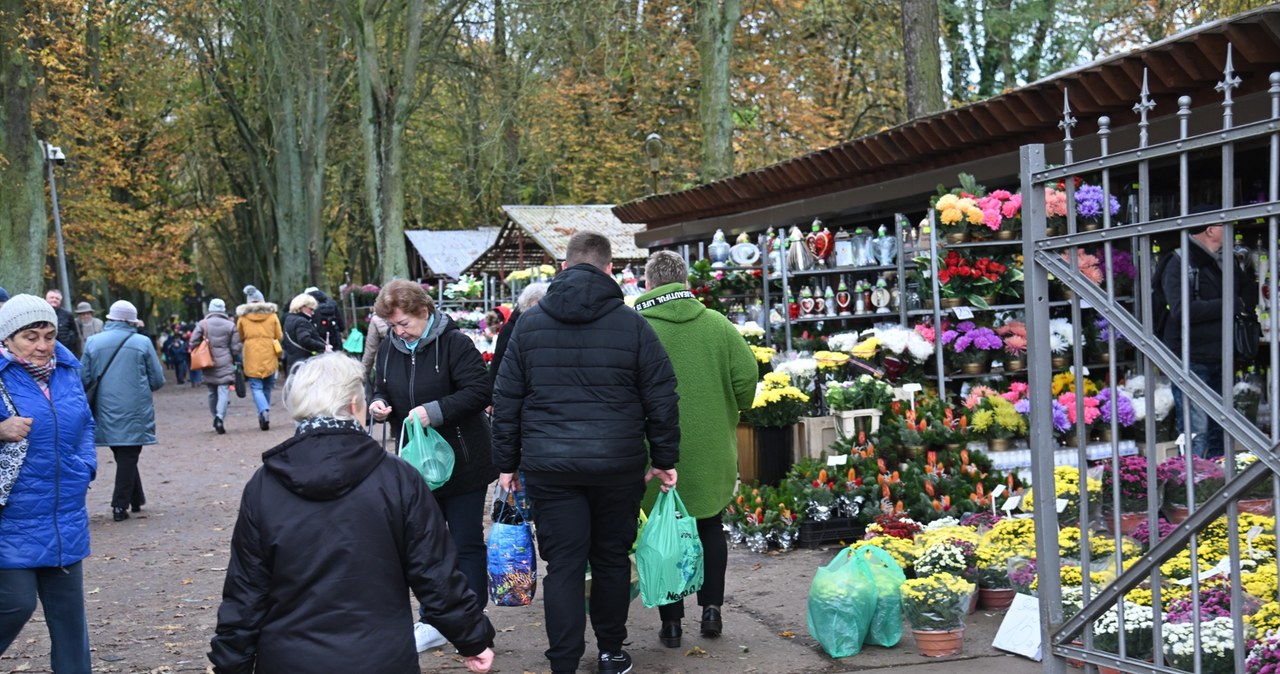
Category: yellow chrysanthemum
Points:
column 1267, row 619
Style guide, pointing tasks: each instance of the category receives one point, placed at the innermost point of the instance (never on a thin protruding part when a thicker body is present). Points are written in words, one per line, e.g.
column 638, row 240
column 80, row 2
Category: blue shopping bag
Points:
column 513, row 566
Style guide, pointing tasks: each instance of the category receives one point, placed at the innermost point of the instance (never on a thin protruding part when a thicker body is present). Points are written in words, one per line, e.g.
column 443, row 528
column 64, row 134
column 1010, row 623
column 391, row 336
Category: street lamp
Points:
column 653, row 147
column 53, row 155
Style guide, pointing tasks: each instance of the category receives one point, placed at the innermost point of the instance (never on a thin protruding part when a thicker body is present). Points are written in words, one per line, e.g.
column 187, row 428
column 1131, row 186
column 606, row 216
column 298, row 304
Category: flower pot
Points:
column 973, row 603
column 1128, row 521
column 1060, row 362
column 1257, row 506
column 1176, row 514
column 1006, row 235
column 951, row 302
column 978, row 367
column 773, row 447
column 1089, row 226
column 1053, row 231
column 1066, row 293
column 1015, row 364
column 999, row 444
column 989, row 299
column 957, row 237
column 1104, row 434
column 1070, row 439
column 953, row 446
column 995, row 599
column 941, row 643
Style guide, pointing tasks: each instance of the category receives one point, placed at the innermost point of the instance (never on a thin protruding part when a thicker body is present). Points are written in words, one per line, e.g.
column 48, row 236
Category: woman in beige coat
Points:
column 259, row 328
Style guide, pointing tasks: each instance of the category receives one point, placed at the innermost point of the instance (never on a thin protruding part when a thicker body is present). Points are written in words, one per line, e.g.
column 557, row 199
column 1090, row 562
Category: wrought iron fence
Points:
column 1201, row 566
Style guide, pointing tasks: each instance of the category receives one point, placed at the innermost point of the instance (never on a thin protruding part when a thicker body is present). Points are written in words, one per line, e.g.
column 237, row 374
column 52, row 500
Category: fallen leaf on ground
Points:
column 695, row 651
column 787, row 634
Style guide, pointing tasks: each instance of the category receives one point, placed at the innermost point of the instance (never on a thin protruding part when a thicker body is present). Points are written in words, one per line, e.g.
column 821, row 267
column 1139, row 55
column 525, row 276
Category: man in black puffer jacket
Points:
column 584, row 383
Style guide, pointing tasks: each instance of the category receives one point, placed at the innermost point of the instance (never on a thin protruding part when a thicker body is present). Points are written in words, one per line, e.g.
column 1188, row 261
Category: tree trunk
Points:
column 717, row 21
column 24, row 229
column 920, row 37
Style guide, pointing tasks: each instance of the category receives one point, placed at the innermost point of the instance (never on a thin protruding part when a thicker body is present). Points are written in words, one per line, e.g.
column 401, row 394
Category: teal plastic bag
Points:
column 426, row 451
column 669, row 556
column 842, row 601
column 354, row 342
column 886, row 623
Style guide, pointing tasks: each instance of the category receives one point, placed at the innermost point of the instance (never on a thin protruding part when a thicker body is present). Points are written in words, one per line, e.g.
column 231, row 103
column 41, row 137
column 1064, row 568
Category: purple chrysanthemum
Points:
column 1089, row 202
column 1125, row 415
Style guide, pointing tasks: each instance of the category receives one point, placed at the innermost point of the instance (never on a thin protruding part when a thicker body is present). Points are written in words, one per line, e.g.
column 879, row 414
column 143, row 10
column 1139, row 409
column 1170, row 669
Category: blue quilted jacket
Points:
column 45, row 523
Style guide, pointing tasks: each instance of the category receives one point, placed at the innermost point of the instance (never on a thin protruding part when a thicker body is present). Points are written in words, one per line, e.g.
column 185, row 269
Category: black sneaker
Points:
column 614, row 663
column 122, row 514
column 263, row 421
column 217, row 426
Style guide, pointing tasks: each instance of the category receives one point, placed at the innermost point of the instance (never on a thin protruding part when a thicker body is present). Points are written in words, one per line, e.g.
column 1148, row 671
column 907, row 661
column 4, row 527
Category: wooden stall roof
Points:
column 448, row 252
column 1189, row 63
column 538, row 234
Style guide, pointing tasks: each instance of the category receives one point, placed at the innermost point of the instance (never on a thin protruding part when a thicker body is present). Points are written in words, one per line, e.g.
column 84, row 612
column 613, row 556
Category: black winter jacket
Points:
column 445, row 374
column 68, row 334
column 328, row 319
column 301, row 341
column 583, row 384
column 332, row 535
column 1204, row 305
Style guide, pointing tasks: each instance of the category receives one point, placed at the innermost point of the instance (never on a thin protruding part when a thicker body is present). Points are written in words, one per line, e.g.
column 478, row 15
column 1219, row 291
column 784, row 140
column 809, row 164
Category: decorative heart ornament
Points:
column 820, row 244
column 819, row 305
column 806, row 305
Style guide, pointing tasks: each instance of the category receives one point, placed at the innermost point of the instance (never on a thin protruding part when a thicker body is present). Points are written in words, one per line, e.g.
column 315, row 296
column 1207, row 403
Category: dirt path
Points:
column 154, row 582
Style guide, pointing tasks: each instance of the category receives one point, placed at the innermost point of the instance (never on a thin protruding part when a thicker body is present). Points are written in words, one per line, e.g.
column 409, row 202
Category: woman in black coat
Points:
column 428, row 368
column 332, row 535
column 301, row 339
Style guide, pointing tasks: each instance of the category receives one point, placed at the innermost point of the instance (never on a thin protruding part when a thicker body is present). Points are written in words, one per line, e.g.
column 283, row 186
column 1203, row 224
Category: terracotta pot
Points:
column 973, row 603
column 1108, row 670
column 1071, row 662
column 993, row 599
column 999, row 444
column 1006, row 235
column 940, row 643
column 957, row 237
column 1176, row 514
column 1128, row 521
column 1257, row 506
column 980, row 367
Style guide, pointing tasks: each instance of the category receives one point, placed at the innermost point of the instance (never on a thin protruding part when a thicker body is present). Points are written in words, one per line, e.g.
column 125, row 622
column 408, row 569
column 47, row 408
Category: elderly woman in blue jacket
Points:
column 127, row 369
column 47, row 460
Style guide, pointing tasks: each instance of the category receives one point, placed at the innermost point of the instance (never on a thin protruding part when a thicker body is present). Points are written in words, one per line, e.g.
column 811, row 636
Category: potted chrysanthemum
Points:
column 777, row 407
column 935, row 607
column 1138, row 622
column 1206, row 478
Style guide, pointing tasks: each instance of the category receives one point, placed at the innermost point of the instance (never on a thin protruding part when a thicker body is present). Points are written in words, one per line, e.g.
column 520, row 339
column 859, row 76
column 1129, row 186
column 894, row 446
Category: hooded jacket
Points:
column 716, row 374
column 328, row 319
column 126, row 413
column 260, row 333
column 1204, row 303
column 224, row 344
column 45, row 523
column 582, row 386
column 445, row 374
column 333, row 534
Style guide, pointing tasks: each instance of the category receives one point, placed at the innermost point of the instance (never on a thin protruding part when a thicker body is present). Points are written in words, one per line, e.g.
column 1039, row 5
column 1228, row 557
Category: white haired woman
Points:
column 330, row 527
column 301, row 339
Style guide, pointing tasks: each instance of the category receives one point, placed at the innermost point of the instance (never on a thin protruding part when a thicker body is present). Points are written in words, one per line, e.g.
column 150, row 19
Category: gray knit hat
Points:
column 23, row 310
column 123, row 310
column 252, row 294
column 217, row 305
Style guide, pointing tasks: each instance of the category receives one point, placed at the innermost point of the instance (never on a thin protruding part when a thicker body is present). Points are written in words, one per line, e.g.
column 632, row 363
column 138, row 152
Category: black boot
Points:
column 119, row 514
column 217, row 425
column 670, row 633
column 712, row 625
column 264, row 422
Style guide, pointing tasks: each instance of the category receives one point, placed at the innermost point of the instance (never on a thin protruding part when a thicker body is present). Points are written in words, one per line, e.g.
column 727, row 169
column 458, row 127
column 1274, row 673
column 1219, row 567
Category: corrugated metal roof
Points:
column 540, row 234
column 1189, row 63
column 447, row 252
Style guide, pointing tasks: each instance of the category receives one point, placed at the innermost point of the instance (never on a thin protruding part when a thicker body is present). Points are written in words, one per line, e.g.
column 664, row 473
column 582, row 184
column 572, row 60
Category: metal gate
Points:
column 1163, row 183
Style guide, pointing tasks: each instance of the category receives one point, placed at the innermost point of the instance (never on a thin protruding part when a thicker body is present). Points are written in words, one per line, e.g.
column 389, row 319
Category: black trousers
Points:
column 715, row 559
column 577, row 524
column 128, row 491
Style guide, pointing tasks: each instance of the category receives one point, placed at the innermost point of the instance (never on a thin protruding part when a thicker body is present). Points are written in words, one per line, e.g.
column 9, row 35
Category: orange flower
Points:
column 946, row 502
column 822, row 476
column 928, row 487
column 936, row 505
column 897, row 507
column 884, row 489
column 852, row 475
column 964, row 457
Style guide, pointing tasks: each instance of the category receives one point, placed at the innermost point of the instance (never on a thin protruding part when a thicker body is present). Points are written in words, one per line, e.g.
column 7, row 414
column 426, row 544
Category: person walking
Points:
column 528, row 297
column 584, row 384
column 224, row 344
column 260, row 334
column 332, row 535
column 327, row 318
column 177, row 351
column 68, row 334
column 47, row 460
column 301, row 341
column 88, row 324
column 378, row 331
column 1203, row 307
column 716, row 374
column 429, row 369
column 126, row 369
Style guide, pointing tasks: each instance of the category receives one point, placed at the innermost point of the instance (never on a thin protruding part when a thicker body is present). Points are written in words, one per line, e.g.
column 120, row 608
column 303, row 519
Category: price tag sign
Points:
column 1253, row 533
column 1011, row 504
column 912, row 387
column 963, row 313
column 837, row 459
column 902, row 394
column 1062, row 504
column 995, row 493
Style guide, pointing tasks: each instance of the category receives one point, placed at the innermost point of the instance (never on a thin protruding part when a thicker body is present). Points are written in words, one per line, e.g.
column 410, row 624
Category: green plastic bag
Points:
column 669, row 556
column 886, row 624
column 842, row 602
column 427, row 451
column 355, row 342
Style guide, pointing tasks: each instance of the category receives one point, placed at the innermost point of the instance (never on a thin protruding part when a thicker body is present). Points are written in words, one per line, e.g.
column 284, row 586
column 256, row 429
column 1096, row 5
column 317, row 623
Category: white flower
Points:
column 1134, row 386
column 894, row 339
column 1139, row 409
column 1245, row 388
column 800, row 368
column 942, row 523
column 750, row 329
column 1061, row 335
column 844, row 341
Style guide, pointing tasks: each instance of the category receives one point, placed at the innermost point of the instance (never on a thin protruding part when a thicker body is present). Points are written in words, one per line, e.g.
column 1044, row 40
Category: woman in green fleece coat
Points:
column 716, row 377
